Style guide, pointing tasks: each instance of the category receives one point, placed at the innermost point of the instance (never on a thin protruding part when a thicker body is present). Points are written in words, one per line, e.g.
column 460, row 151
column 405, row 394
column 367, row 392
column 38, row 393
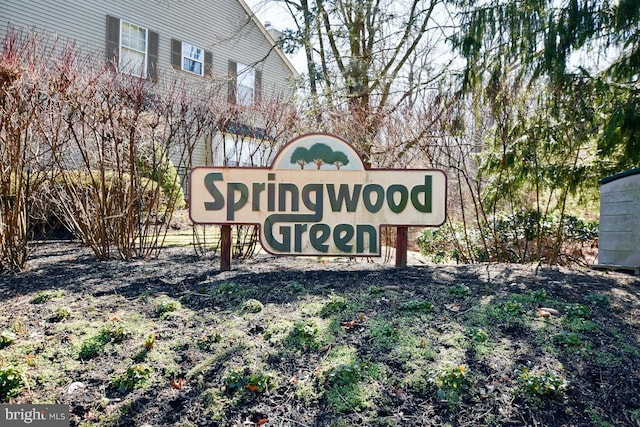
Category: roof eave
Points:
column 269, row 38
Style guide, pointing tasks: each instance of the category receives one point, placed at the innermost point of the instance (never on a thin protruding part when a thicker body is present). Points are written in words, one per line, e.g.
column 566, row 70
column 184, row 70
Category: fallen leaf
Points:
column 543, row 313
column 262, row 421
column 294, row 379
column 252, row 387
column 177, row 383
column 31, row 360
column 551, row 311
column 350, row 325
column 453, row 306
column 400, row 394
column 324, row 348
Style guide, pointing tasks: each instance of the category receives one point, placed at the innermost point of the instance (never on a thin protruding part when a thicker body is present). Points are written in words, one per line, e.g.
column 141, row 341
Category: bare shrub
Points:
column 246, row 136
column 90, row 147
column 23, row 93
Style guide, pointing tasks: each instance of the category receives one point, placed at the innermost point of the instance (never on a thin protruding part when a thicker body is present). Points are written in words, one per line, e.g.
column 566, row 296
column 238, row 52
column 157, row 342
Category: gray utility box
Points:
column 619, row 234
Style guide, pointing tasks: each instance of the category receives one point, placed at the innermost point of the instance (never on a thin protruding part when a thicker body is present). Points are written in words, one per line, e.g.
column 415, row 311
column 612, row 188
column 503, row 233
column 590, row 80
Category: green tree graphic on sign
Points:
column 301, row 156
column 319, row 154
column 340, row 159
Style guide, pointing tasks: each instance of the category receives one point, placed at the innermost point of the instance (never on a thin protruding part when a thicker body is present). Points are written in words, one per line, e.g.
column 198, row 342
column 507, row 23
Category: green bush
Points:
column 343, row 375
column 512, row 237
column 136, row 376
column 596, row 300
column 459, row 290
column 451, row 243
column 6, row 339
column 244, row 381
column 208, row 341
column 384, row 335
column 94, row 345
column 252, row 306
column 304, row 336
column 11, row 382
column 536, row 382
column 166, row 306
column 60, row 314
column 418, row 306
column 337, row 304
column 155, row 165
column 478, row 335
column 48, row 295
column 91, row 348
column 450, row 383
column 569, row 340
column 512, row 234
column 509, row 312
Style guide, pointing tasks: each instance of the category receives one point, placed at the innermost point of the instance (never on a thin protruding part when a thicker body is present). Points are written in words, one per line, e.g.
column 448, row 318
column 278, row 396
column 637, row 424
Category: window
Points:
column 246, row 84
column 132, row 49
column 239, row 144
column 190, row 58
column 234, row 150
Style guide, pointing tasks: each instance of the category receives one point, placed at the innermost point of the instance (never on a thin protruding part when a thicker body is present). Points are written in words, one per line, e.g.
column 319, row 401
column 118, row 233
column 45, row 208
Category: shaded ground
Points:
column 299, row 342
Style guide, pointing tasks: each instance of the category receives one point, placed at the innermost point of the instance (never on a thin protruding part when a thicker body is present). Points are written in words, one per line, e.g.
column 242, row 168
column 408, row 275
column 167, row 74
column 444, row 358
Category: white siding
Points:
column 619, row 233
column 221, row 26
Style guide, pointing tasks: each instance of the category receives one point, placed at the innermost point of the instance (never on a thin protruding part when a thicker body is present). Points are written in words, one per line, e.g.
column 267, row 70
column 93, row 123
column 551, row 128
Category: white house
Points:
column 202, row 41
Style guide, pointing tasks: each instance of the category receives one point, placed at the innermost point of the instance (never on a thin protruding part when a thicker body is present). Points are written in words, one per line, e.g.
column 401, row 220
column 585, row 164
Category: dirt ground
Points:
column 287, row 341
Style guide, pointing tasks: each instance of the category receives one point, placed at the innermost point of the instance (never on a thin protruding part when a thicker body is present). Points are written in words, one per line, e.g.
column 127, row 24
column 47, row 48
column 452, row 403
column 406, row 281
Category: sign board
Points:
column 317, row 198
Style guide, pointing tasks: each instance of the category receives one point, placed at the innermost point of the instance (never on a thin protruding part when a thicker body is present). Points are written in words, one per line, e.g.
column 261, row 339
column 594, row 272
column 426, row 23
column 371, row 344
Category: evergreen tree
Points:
column 577, row 46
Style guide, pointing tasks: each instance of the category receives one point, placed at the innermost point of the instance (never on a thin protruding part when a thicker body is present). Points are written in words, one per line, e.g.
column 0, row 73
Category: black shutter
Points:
column 152, row 52
column 233, row 81
column 113, row 41
column 208, row 63
column 257, row 97
column 176, row 54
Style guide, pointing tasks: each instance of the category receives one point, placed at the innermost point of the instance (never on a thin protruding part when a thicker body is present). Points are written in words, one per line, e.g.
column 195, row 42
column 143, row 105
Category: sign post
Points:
column 402, row 242
column 318, row 198
column 225, row 247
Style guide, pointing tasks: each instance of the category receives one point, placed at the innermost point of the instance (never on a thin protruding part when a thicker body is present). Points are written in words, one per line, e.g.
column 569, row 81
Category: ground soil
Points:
column 191, row 386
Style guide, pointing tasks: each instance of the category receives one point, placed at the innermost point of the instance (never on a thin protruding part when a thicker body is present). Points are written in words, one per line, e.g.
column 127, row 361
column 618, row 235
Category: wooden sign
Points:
column 317, row 198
